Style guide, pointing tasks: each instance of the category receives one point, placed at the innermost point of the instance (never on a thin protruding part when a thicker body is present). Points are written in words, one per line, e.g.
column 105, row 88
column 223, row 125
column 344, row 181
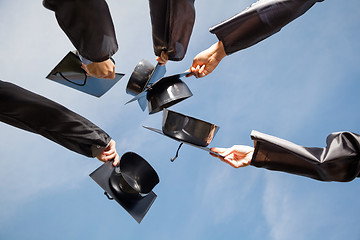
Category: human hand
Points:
column 163, row 58
column 206, row 61
column 110, row 153
column 237, row 156
column 105, row 69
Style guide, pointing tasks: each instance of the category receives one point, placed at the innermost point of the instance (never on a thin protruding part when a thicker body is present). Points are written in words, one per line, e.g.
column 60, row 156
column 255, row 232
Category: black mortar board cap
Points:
column 69, row 73
column 207, row 149
column 188, row 130
column 166, row 93
column 163, row 93
column 144, row 74
column 130, row 184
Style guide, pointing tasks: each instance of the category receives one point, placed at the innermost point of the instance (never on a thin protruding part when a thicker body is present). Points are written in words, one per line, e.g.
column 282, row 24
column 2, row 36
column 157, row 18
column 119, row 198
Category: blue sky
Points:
column 301, row 84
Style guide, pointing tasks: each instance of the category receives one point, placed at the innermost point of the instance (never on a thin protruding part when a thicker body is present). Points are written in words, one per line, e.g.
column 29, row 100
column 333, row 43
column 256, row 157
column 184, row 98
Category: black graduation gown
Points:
column 338, row 161
column 32, row 112
column 259, row 21
column 88, row 24
column 172, row 23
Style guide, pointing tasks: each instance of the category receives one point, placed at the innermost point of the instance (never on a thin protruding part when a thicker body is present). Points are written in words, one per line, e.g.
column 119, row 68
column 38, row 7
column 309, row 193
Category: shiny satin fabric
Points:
column 338, row 161
column 88, row 25
column 31, row 112
column 172, row 23
column 261, row 20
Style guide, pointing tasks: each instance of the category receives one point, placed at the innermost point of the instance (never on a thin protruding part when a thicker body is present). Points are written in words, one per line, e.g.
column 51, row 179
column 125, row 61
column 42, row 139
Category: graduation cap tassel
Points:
column 177, row 152
column 107, row 195
column 69, row 72
column 82, row 84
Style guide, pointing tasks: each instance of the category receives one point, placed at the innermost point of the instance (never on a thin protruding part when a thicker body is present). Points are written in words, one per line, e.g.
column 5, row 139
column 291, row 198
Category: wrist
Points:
column 219, row 51
column 84, row 60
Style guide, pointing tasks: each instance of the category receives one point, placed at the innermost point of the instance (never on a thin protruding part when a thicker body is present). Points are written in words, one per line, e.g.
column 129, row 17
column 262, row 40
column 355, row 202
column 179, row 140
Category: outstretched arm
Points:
column 338, row 161
column 88, row 25
column 261, row 20
column 32, row 112
column 172, row 23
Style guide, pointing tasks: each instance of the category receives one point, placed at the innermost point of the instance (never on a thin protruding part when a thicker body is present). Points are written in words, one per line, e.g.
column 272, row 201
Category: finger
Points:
column 101, row 158
column 201, row 70
column 199, row 75
column 116, row 160
column 190, row 74
column 95, row 75
column 113, row 75
column 110, row 76
column 196, row 74
column 110, row 148
column 195, row 71
column 111, row 156
column 205, row 72
column 245, row 162
column 162, row 59
column 240, row 164
column 233, row 163
column 216, row 155
column 229, row 151
column 227, row 161
column 83, row 66
column 218, row 150
column 164, row 56
column 109, row 152
column 159, row 60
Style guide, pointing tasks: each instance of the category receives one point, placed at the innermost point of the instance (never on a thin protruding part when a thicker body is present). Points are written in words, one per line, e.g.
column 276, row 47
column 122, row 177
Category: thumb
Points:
column 228, row 151
column 218, row 150
column 189, row 74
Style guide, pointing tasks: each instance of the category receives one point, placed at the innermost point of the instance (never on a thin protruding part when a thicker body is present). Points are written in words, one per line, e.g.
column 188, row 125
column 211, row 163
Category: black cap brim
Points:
column 69, row 73
column 137, row 208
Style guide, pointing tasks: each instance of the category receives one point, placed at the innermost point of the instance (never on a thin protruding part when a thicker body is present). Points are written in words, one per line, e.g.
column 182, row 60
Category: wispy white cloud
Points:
column 304, row 209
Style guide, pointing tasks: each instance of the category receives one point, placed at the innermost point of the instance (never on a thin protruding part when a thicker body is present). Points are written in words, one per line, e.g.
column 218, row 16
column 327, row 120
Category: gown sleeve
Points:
column 31, row 112
column 88, row 25
column 261, row 20
column 338, row 161
column 172, row 23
